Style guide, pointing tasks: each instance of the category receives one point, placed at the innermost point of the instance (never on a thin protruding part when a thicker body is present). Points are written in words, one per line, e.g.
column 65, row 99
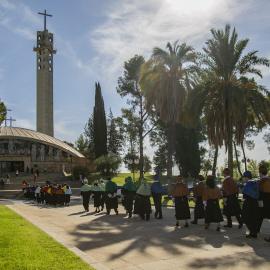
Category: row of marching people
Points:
column 52, row 195
column 107, row 193
column 98, row 191
column 256, row 201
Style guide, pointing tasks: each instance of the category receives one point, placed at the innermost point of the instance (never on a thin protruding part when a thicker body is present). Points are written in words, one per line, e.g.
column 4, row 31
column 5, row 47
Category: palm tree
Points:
column 228, row 100
column 165, row 81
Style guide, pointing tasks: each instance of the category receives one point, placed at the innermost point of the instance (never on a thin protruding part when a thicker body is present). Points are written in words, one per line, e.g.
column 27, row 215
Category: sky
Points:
column 94, row 38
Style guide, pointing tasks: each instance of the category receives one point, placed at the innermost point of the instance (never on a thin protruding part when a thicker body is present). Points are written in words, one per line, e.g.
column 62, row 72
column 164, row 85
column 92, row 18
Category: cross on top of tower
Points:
column 45, row 14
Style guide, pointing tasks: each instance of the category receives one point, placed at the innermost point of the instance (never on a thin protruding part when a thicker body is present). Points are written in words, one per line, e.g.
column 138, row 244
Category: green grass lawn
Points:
column 24, row 246
column 166, row 201
column 120, row 178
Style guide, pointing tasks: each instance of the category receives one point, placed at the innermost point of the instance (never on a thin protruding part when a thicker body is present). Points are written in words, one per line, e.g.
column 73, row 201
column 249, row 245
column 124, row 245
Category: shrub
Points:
column 108, row 164
column 84, row 171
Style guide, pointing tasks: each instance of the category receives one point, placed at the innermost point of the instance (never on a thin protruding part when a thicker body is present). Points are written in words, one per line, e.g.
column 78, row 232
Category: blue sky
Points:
column 93, row 39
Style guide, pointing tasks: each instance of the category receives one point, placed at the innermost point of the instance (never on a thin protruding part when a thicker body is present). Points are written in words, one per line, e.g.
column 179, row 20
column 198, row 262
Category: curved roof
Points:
column 27, row 134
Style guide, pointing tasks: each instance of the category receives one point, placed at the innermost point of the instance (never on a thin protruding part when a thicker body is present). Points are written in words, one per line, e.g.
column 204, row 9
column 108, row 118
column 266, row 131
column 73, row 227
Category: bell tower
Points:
column 44, row 67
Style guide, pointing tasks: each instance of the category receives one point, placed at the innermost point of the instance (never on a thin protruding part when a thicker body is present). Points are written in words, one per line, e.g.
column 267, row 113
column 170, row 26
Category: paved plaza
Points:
column 116, row 242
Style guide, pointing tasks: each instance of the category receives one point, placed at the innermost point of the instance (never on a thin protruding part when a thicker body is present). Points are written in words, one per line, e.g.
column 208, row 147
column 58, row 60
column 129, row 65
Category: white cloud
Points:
column 62, row 131
column 7, row 5
column 25, row 123
column 136, row 27
column 13, row 16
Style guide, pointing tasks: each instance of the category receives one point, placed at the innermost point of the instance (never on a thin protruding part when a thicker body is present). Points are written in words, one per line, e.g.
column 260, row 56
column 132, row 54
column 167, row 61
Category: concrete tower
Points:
column 45, row 52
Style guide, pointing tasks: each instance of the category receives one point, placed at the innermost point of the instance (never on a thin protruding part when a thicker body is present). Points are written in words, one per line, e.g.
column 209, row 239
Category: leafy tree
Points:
column 130, row 161
column 264, row 163
column 207, row 158
column 3, row 112
column 253, row 167
column 166, row 79
column 89, row 135
column 147, row 164
column 80, row 170
column 115, row 138
column 226, row 97
column 81, row 144
column 99, row 124
column 249, row 144
column 128, row 131
column 237, row 170
column 128, row 85
column 108, row 164
column 160, row 159
column 69, row 143
column 266, row 138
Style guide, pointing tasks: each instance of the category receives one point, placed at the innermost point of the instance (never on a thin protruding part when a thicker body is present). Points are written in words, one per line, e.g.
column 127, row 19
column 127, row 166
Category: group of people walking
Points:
column 98, row 191
column 106, row 194
column 56, row 195
column 256, row 201
column 206, row 196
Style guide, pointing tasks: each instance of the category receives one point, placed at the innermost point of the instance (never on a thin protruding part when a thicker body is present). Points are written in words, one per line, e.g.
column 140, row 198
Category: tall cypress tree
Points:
column 99, row 124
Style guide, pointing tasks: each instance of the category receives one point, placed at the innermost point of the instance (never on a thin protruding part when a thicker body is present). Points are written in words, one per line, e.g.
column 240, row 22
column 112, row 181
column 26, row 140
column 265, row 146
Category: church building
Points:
column 23, row 148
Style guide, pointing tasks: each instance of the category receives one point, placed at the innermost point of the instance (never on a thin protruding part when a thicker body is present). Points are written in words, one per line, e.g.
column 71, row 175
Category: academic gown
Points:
column 102, row 200
column 180, row 193
column 97, row 191
column 250, row 210
column 212, row 210
column 230, row 191
column 86, row 192
column 129, row 191
column 157, row 190
column 264, row 188
column 111, row 198
column 144, row 205
column 199, row 207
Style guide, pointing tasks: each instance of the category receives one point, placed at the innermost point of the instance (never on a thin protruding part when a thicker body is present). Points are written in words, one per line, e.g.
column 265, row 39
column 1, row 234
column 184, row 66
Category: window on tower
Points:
column 39, row 67
column 50, row 68
column 50, row 61
column 39, row 60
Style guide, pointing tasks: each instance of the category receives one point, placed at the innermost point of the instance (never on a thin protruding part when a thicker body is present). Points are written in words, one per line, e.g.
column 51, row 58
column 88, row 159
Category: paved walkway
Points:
column 116, row 242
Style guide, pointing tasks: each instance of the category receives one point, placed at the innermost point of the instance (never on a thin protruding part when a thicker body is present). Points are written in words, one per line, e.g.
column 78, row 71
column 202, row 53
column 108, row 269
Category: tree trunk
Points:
column 141, row 139
column 238, row 165
column 230, row 157
column 215, row 162
column 244, row 154
column 170, row 144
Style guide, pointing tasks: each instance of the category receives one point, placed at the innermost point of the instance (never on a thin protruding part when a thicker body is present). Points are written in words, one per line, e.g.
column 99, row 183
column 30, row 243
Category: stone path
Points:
column 116, row 242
